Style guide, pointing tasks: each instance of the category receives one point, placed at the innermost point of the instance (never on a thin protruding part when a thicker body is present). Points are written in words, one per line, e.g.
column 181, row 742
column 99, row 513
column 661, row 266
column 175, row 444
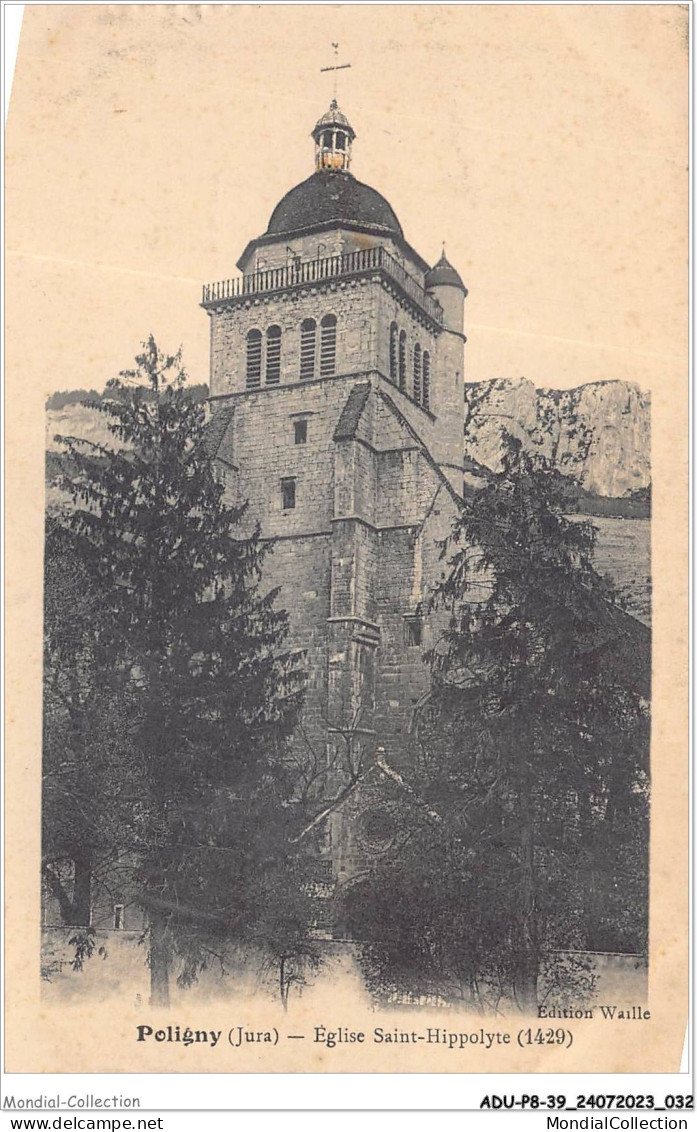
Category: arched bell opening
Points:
column 333, row 138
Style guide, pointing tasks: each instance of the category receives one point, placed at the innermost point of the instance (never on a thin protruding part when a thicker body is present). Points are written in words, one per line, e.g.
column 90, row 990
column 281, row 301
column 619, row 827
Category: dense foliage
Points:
column 166, row 725
column 531, row 763
column 63, row 398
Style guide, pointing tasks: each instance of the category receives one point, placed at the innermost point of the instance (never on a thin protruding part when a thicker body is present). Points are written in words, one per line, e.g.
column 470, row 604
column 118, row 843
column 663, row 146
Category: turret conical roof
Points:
column 443, row 274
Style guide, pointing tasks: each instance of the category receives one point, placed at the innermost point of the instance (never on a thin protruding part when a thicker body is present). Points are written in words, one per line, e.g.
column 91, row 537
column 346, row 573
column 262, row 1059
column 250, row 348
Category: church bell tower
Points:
column 337, row 368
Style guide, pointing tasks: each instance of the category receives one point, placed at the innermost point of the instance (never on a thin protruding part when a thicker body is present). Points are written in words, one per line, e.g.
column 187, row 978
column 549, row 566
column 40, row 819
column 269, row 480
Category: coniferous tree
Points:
column 532, row 761
column 87, row 769
column 208, row 696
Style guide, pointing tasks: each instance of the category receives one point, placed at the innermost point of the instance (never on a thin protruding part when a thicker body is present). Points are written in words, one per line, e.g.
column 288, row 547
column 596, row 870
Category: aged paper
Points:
column 547, row 147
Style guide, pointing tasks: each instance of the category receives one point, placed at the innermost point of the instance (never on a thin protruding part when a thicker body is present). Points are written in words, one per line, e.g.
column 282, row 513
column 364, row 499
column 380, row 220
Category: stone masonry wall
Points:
column 389, row 310
column 301, row 567
column 356, row 555
column 405, row 486
column 354, row 566
column 352, row 301
column 410, row 568
column 365, row 311
column 261, row 444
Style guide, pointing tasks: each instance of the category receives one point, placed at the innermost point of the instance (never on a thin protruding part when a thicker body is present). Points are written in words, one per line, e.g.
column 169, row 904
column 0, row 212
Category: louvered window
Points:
column 327, row 349
column 417, row 373
column 308, row 348
column 403, row 361
column 273, row 355
column 394, row 339
column 426, row 380
column 254, row 359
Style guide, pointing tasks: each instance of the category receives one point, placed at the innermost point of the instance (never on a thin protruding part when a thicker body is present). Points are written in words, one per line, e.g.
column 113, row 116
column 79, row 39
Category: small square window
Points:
column 288, row 494
column 300, row 432
column 413, row 631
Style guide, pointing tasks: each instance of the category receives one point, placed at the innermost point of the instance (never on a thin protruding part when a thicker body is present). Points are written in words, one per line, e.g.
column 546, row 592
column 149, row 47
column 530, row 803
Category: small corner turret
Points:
column 445, row 284
column 443, row 274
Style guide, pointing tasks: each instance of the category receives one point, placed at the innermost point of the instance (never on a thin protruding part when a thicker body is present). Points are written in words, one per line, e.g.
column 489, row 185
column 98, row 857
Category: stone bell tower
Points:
column 337, row 395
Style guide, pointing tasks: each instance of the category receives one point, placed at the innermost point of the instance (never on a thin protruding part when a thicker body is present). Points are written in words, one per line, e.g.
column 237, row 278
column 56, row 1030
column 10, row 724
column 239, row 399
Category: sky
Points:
column 546, row 145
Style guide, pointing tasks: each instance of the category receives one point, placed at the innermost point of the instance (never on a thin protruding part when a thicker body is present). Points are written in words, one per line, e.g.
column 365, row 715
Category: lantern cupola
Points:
column 333, row 136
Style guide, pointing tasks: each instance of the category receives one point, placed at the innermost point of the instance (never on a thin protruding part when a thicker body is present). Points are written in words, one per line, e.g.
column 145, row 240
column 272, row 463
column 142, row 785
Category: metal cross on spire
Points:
column 336, row 67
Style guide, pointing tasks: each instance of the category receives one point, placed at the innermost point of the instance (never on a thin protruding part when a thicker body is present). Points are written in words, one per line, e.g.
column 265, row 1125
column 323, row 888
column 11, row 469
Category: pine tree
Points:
column 210, row 695
column 86, row 758
column 532, row 757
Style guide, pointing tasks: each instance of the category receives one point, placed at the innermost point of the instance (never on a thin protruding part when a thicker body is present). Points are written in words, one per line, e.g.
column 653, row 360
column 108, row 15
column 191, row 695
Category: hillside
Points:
column 598, row 433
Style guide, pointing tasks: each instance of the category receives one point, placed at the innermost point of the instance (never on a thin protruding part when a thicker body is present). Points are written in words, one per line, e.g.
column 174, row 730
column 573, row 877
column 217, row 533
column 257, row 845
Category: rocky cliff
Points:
column 599, row 433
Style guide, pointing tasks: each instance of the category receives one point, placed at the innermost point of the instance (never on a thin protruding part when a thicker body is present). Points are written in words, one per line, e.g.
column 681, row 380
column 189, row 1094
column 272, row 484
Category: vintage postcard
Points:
column 347, row 539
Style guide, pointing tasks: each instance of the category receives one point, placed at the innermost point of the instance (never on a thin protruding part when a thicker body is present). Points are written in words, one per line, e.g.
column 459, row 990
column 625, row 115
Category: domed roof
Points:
column 334, row 117
column 329, row 196
column 443, row 274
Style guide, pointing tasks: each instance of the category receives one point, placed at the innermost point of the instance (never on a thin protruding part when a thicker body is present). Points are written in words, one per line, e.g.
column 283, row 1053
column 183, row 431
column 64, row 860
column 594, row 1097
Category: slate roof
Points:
column 332, row 196
column 443, row 274
column 216, row 429
column 352, row 411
